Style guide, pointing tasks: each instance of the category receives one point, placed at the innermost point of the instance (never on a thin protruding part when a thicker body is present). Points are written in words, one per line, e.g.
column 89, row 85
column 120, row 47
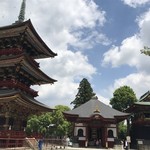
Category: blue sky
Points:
column 95, row 39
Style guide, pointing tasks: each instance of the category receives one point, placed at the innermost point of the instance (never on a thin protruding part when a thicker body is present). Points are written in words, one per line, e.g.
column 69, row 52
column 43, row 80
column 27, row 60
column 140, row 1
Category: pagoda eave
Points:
column 26, row 31
column 25, row 101
column 21, row 64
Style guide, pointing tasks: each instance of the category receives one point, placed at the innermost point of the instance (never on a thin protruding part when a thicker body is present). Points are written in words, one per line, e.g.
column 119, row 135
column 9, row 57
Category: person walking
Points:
column 40, row 143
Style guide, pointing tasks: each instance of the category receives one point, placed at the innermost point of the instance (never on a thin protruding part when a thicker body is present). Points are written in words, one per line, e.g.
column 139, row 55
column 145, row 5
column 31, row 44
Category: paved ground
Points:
column 74, row 148
column 48, row 148
column 67, row 148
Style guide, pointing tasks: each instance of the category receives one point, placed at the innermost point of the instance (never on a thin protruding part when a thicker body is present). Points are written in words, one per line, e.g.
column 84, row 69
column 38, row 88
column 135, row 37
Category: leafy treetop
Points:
column 123, row 97
column 85, row 93
column 146, row 50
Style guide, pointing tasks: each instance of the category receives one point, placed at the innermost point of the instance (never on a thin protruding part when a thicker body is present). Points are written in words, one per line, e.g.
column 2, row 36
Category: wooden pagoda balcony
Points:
column 16, row 51
column 142, row 121
column 9, row 51
column 10, row 138
column 12, row 134
column 18, row 85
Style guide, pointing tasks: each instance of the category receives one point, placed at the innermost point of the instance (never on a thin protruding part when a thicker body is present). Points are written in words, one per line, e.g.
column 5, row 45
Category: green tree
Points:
column 123, row 97
column 122, row 130
column 33, row 125
column 146, row 50
column 62, row 126
column 50, row 124
column 85, row 93
column 39, row 124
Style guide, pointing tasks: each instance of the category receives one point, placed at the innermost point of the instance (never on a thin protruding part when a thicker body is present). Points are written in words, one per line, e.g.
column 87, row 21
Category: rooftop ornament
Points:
column 21, row 16
column 95, row 98
column 96, row 110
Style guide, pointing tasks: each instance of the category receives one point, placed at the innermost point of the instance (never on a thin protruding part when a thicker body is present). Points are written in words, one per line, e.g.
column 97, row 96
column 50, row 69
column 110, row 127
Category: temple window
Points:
column 80, row 132
column 110, row 133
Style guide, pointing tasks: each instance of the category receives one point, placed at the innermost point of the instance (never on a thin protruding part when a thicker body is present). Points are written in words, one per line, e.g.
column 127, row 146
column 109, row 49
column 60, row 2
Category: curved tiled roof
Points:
column 23, row 99
column 88, row 109
column 31, row 35
column 32, row 70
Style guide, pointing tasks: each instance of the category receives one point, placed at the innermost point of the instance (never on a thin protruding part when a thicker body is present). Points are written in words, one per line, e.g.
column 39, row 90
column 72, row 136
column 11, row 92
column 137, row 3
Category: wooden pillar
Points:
column 104, row 136
column 6, row 125
column 87, row 136
column 128, row 126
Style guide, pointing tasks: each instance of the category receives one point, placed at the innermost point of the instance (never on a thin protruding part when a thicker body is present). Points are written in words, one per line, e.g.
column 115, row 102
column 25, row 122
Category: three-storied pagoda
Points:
column 20, row 45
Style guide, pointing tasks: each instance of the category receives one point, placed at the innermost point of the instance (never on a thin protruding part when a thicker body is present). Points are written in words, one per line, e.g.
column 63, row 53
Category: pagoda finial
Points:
column 21, row 16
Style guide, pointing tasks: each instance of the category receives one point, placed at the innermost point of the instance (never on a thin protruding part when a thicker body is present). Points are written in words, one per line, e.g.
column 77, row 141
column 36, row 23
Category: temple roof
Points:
column 145, row 97
column 22, row 99
column 28, row 65
column 94, row 106
column 139, row 106
column 142, row 105
column 26, row 31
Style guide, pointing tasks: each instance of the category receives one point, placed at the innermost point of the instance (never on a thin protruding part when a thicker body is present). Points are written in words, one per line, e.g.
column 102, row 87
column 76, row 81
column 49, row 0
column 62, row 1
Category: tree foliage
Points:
column 50, row 124
column 146, row 50
column 122, row 130
column 85, row 93
column 123, row 97
column 62, row 126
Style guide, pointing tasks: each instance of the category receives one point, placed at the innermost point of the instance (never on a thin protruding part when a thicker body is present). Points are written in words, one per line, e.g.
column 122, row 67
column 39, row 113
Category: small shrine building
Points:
column 95, row 121
column 140, row 121
column 20, row 46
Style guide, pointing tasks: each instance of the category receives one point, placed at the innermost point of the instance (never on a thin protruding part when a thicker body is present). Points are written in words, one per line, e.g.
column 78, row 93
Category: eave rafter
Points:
column 27, row 67
column 28, row 34
column 24, row 103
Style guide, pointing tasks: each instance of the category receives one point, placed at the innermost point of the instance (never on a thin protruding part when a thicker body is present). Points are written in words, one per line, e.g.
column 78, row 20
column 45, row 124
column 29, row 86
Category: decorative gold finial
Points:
column 96, row 110
column 95, row 97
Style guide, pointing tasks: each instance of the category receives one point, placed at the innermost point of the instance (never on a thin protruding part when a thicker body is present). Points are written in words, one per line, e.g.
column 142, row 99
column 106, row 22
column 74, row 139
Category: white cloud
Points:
column 144, row 23
column 129, row 54
column 68, row 64
column 103, row 99
column 129, row 51
column 67, row 68
column 64, row 26
column 135, row 3
column 139, row 82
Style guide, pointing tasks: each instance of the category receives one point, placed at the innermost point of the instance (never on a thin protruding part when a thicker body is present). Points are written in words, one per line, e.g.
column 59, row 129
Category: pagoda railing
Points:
column 10, row 138
column 19, row 85
column 16, row 51
column 8, row 51
column 12, row 134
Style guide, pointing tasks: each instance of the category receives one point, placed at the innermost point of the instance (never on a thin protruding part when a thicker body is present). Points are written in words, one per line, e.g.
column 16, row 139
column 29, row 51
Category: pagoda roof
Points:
column 24, row 100
column 29, row 33
column 27, row 65
column 145, row 97
column 142, row 105
column 139, row 106
column 94, row 106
